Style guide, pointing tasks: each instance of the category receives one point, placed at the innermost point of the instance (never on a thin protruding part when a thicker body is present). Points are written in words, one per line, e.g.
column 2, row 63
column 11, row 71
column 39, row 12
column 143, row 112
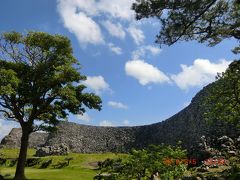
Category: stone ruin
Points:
column 187, row 126
column 61, row 149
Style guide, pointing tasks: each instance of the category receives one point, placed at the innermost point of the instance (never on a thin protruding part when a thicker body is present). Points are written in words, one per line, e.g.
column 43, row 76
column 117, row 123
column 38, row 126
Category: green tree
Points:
column 223, row 104
column 40, row 82
column 165, row 162
column 208, row 21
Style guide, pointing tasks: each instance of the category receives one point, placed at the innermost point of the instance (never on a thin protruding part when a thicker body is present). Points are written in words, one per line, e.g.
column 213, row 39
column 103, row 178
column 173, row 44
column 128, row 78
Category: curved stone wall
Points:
column 186, row 126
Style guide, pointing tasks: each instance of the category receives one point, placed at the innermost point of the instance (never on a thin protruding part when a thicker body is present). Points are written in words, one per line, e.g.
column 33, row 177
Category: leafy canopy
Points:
column 208, row 21
column 40, row 80
column 223, row 104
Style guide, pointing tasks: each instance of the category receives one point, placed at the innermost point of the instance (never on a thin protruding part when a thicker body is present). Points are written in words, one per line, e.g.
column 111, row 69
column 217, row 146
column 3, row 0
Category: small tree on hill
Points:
column 39, row 81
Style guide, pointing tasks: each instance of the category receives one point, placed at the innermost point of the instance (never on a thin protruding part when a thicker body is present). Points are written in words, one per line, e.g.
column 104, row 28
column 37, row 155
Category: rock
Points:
column 238, row 142
column 225, row 139
column 232, row 153
column 203, row 169
column 226, row 144
column 62, row 149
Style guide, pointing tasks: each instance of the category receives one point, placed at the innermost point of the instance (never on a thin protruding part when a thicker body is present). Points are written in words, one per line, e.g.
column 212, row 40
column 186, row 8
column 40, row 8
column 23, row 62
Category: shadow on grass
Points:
column 6, row 178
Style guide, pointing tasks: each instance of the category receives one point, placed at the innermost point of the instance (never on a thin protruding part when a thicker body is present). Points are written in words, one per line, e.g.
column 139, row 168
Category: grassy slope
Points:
column 81, row 167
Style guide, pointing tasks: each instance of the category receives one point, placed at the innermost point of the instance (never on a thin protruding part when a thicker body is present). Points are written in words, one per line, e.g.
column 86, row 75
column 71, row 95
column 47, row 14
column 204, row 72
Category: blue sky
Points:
column 139, row 82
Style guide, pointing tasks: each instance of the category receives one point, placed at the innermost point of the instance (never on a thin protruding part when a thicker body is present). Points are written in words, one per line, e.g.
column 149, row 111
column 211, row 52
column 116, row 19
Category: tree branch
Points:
column 191, row 23
column 7, row 113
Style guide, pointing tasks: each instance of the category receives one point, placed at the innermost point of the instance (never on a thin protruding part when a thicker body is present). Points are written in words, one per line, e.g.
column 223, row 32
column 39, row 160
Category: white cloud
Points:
column 126, row 122
column 118, row 105
column 84, row 117
column 115, row 30
column 78, row 15
column 85, row 28
column 137, row 34
column 154, row 50
column 115, row 49
column 97, row 83
column 5, row 128
column 202, row 72
column 141, row 51
column 145, row 73
column 105, row 123
column 117, row 9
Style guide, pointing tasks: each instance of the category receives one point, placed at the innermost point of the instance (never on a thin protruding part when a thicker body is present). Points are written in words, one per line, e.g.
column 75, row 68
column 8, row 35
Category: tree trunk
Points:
column 20, row 175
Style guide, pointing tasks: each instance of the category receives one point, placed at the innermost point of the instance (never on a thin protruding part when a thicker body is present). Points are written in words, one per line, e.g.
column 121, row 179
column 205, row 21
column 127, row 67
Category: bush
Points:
column 2, row 161
column 32, row 162
column 11, row 162
column 44, row 164
column 60, row 164
column 68, row 159
column 165, row 162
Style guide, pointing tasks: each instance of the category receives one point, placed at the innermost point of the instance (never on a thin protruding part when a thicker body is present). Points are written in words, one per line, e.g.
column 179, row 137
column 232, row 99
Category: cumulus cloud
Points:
column 154, row 50
column 145, row 73
column 77, row 22
column 117, row 105
column 137, row 34
column 141, row 51
column 115, row 49
column 116, row 9
column 105, row 123
column 202, row 72
column 5, row 128
column 96, row 83
column 78, row 17
column 84, row 117
column 115, row 30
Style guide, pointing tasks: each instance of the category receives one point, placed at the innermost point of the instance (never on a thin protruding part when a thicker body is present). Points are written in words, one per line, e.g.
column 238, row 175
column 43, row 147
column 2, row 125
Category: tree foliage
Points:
column 162, row 161
column 40, row 81
column 208, row 21
column 223, row 104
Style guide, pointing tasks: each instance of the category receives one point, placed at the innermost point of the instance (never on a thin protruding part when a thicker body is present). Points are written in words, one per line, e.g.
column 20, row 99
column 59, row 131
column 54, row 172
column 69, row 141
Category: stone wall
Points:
column 13, row 139
column 186, row 126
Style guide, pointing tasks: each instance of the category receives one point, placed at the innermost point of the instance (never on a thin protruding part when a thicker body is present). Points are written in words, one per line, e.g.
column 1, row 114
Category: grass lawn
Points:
column 82, row 167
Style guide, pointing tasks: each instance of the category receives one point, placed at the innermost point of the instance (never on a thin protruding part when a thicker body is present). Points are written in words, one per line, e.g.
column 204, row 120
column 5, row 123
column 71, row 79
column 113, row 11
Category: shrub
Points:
column 32, row 162
column 68, row 159
column 2, row 161
column 165, row 162
column 11, row 162
column 45, row 163
column 60, row 164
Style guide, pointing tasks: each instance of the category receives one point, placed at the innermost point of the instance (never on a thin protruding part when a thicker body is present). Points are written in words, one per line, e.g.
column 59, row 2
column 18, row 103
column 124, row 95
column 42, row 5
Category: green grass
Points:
column 82, row 167
column 13, row 153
